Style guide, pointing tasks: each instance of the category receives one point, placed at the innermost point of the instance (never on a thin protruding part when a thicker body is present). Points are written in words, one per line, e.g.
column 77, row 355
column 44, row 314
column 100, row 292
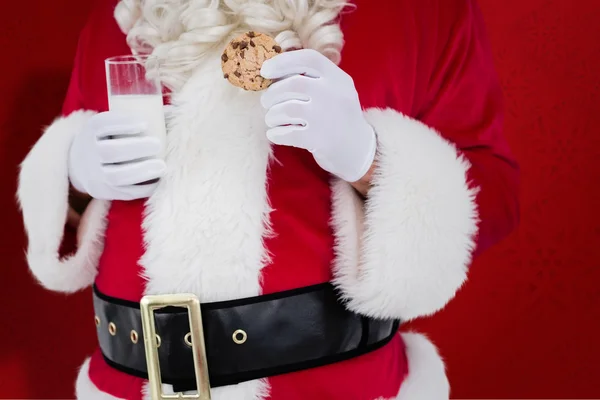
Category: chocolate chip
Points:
column 237, row 73
column 224, row 57
column 242, row 54
column 235, row 45
column 239, row 63
column 277, row 49
column 251, row 34
column 243, row 45
column 226, row 76
column 252, row 44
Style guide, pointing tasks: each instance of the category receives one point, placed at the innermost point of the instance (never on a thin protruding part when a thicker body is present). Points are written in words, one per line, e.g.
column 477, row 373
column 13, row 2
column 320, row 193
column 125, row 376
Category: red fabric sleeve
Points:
column 465, row 105
column 74, row 99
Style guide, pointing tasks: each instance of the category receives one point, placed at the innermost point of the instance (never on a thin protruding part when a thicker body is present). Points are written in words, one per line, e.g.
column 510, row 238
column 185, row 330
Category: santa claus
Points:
column 309, row 220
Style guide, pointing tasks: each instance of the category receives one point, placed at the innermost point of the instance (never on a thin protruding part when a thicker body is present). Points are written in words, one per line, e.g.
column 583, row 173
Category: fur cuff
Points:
column 426, row 378
column 43, row 196
column 85, row 388
column 405, row 252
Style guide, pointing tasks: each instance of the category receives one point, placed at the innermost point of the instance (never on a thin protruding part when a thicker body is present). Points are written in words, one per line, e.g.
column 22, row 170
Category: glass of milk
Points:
column 134, row 87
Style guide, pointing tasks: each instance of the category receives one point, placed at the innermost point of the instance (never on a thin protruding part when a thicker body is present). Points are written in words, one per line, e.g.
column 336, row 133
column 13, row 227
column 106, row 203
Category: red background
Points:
column 526, row 325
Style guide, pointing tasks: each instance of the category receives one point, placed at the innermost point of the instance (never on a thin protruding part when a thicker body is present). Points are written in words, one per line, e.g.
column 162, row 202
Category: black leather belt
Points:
column 276, row 333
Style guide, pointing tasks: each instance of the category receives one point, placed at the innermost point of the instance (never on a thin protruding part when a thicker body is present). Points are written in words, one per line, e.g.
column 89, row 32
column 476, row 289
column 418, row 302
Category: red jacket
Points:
column 446, row 190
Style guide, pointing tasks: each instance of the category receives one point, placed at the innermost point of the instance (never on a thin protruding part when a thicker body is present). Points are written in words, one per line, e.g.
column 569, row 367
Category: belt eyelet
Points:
column 188, row 339
column 239, row 336
column 134, row 336
column 112, row 329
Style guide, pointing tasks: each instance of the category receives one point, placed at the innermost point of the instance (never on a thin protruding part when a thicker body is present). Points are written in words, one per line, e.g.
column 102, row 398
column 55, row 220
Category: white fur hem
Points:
column 43, row 195
column 405, row 252
column 251, row 390
column 85, row 388
column 426, row 378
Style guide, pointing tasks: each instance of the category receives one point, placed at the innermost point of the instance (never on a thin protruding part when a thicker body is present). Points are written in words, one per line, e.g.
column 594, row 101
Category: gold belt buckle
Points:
column 148, row 305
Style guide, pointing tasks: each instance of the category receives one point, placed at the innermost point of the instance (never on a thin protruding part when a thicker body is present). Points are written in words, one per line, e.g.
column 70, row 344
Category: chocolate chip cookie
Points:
column 243, row 58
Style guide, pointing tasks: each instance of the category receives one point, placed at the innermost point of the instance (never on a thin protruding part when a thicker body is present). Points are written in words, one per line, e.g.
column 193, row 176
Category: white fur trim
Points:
column 426, row 378
column 205, row 224
column 411, row 253
column 43, row 195
column 251, row 390
column 85, row 388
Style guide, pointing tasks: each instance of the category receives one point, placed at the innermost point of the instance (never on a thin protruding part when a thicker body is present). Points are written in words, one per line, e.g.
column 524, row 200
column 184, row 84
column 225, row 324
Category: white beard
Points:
column 184, row 32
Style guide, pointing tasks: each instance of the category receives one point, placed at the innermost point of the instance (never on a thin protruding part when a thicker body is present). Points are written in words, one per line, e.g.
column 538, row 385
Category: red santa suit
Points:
column 236, row 217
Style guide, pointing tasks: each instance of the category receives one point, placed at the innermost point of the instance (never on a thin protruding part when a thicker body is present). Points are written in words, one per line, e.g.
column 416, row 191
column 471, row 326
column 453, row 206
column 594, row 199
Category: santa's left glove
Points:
column 112, row 158
column 314, row 106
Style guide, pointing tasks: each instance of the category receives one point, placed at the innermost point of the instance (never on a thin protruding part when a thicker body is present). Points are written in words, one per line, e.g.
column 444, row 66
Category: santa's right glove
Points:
column 112, row 156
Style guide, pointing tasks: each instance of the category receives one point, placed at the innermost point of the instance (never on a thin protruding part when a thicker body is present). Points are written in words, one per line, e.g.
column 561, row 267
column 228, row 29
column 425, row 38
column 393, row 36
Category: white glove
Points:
column 112, row 156
column 315, row 107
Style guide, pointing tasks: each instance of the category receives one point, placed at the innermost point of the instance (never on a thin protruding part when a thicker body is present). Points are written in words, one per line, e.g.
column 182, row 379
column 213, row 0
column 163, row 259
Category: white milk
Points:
column 148, row 107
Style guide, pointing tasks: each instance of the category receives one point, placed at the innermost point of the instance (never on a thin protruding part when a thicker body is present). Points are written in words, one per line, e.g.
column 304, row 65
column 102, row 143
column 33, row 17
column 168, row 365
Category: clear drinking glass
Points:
column 134, row 87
